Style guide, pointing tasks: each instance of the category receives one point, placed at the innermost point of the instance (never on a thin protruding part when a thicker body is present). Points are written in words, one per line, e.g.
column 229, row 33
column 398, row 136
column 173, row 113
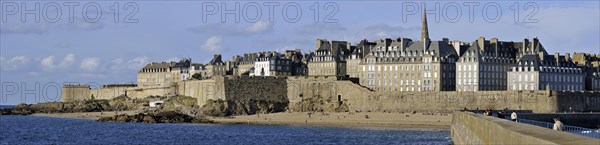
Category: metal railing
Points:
column 594, row 133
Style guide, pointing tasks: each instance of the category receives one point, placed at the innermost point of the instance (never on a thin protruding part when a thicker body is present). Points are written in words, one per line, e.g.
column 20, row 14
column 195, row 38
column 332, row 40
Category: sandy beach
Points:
column 375, row 119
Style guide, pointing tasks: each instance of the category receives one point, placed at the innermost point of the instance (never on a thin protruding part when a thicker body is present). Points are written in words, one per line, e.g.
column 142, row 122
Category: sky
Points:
column 45, row 44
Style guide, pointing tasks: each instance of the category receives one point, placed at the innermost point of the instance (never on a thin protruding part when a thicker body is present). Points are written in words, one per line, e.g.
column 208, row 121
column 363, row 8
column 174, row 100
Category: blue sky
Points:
column 35, row 56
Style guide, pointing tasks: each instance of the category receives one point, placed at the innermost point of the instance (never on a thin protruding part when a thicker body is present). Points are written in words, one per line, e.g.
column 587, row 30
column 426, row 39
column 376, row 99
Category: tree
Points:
column 197, row 76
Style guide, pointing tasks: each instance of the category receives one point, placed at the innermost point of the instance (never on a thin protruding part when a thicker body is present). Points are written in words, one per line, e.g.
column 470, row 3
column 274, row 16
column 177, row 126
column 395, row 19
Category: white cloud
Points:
column 133, row 64
column 69, row 59
column 138, row 62
column 48, row 62
column 13, row 63
column 212, row 44
column 260, row 26
column 117, row 64
column 90, row 64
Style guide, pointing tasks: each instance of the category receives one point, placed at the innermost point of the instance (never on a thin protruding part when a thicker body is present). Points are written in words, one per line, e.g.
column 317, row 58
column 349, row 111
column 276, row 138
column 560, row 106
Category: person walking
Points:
column 558, row 126
column 513, row 116
column 500, row 114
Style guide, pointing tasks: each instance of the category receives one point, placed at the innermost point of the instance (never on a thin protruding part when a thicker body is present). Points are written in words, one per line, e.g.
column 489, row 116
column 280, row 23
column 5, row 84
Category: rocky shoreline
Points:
column 177, row 109
column 116, row 104
column 162, row 117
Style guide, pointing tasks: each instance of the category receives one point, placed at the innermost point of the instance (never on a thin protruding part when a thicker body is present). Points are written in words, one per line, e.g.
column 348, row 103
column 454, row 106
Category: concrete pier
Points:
column 471, row 128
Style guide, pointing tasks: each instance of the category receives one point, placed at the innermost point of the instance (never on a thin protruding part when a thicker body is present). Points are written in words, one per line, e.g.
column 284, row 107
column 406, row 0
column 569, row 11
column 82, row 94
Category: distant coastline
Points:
column 7, row 106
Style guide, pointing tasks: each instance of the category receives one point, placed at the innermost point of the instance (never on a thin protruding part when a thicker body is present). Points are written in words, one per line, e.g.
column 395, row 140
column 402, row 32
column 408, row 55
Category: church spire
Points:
column 425, row 30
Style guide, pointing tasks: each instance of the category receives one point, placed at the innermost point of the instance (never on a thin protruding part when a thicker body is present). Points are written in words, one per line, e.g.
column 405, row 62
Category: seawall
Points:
column 587, row 120
column 470, row 128
column 356, row 97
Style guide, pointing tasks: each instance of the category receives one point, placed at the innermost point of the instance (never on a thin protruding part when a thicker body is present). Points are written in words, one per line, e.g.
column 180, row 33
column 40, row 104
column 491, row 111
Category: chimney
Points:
column 319, row 43
column 457, row 45
column 446, row 40
column 494, row 45
column 481, row 42
column 567, row 56
column 535, row 44
column 525, row 46
column 557, row 58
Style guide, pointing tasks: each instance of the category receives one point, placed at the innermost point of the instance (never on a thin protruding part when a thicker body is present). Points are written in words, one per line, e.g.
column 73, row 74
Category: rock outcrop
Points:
column 247, row 107
column 182, row 104
column 119, row 103
column 162, row 117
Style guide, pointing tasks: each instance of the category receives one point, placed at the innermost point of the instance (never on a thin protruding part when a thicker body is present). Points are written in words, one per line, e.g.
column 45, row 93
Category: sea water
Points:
column 52, row 130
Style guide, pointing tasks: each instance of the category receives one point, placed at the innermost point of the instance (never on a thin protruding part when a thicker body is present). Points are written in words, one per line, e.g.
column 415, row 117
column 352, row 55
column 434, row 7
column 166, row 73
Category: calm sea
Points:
column 49, row 130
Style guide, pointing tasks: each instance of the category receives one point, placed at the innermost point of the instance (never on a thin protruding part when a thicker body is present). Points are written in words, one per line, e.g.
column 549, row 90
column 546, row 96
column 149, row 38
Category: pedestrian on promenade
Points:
column 558, row 126
column 500, row 114
column 513, row 116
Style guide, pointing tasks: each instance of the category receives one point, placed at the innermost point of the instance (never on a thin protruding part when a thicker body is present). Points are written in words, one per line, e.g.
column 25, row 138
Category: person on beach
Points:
column 513, row 116
column 558, row 126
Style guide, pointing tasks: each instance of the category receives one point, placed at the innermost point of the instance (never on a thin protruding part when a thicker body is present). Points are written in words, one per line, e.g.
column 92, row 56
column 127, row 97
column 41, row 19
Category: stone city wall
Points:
column 238, row 88
column 363, row 99
column 70, row 93
column 108, row 92
column 296, row 88
column 139, row 92
column 578, row 101
column 255, row 88
column 202, row 90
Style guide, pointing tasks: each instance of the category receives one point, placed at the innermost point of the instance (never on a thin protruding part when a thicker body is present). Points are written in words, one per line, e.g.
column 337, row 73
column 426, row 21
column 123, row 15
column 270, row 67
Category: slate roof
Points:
column 531, row 60
column 216, row 60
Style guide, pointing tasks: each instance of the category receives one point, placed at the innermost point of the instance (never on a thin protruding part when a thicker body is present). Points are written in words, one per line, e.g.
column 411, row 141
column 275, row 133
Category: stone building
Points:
column 329, row 59
column 404, row 65
column 298, row 65
column 483, row 66
column 163, row 74
column 215, row 67
column 590, row 65
column 542, row 71
column 353, row 63
column 272, row 64
column 196, row 69
column 245, row 65
column 357, row 54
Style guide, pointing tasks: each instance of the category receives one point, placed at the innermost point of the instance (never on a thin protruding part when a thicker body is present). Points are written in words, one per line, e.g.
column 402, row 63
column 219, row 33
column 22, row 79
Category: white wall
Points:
column 260, row 65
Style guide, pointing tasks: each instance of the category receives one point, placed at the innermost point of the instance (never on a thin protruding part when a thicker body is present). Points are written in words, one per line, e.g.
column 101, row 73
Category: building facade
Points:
column 272, row 64
column 404, row 65
column 163, row 74
column 483, row 66
column 329, row 59
column 541, row 72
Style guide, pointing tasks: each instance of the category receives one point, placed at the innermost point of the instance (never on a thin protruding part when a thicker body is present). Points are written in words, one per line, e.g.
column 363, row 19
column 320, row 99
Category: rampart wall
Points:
column 356, row 97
